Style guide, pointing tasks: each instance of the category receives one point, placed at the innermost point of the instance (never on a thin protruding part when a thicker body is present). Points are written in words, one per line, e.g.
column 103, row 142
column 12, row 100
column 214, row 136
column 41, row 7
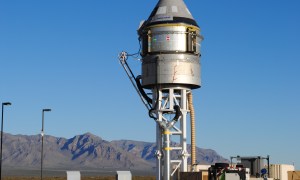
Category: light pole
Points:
column 3, row 104
column 42, row 134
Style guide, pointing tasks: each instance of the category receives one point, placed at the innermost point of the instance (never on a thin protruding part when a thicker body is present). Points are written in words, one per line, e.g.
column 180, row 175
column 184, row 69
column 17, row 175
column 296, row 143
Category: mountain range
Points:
column 86, row 151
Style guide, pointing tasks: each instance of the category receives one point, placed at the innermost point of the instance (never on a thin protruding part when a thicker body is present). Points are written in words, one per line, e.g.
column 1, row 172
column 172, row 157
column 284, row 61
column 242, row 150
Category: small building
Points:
column 294, row 175
column 123, row 175
column 73, row 175
column 280, row 171
column 254, row 163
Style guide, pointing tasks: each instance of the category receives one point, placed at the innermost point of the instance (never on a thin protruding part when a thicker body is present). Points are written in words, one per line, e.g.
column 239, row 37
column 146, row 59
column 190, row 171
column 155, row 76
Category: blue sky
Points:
column 62, row 54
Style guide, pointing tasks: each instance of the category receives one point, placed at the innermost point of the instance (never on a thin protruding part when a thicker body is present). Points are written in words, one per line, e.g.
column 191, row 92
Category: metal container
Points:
column 280, row 171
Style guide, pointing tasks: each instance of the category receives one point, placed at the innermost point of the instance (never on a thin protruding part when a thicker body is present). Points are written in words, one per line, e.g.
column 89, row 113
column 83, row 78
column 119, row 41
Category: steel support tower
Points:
column 170, row 55
column 167, row 128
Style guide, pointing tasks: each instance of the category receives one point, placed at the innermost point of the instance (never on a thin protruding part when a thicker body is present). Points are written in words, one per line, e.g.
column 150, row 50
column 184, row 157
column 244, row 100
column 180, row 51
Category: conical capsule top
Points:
column 170, row 11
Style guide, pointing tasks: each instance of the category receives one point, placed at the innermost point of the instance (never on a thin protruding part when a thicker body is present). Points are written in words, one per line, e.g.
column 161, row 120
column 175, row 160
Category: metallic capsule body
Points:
column 171, row 55
column 171, row 69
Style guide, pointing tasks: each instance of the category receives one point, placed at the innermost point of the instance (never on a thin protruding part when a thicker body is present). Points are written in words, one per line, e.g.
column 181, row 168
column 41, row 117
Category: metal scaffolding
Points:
column 165, row 101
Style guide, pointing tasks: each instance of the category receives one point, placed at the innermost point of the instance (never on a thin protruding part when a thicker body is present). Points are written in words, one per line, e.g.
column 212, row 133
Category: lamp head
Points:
column 46, row 110
column 6, row 104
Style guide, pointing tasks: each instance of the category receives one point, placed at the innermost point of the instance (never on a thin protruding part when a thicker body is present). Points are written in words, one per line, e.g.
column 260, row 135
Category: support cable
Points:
column 123, row 56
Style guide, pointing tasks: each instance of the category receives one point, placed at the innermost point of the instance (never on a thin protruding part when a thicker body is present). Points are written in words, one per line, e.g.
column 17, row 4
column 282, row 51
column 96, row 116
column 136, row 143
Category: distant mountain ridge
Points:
column 86, row 151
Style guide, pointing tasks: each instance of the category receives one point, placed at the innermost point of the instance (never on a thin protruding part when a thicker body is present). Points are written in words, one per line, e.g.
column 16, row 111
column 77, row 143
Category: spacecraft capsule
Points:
column 170, row 47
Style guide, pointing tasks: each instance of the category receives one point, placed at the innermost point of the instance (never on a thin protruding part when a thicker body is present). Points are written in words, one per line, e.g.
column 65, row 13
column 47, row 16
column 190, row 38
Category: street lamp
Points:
column 3, row 104
column 42, row 134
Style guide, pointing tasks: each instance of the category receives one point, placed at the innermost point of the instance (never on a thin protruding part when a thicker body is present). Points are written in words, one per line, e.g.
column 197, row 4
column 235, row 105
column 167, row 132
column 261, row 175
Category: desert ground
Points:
column 82, row 178
column 30, row 174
